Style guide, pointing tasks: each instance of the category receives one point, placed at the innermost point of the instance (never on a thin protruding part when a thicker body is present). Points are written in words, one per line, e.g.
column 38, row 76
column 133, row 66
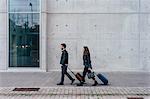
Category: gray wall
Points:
column 116, row 31
column 3, row 35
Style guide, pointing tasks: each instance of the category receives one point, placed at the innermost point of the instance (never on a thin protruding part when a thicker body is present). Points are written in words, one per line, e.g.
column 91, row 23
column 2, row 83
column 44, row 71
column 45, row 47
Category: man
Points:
column 64, row 63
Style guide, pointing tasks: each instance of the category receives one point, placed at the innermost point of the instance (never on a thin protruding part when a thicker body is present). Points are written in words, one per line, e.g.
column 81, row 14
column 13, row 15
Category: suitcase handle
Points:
column 71, row 71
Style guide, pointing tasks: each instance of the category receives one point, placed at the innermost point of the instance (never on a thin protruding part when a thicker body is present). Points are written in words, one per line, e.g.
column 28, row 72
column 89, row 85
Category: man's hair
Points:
column 64, row 45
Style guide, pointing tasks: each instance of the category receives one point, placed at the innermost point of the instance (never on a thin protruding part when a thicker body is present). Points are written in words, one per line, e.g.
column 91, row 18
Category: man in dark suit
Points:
column 64, row 63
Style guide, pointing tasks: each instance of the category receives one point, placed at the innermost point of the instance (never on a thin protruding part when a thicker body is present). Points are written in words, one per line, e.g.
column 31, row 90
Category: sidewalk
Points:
column 77, row 93
column 121, row 85
column 48, row 79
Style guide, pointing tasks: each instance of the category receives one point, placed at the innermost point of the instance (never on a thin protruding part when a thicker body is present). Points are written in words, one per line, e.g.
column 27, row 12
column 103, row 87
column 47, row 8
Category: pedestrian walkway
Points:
column 70, row 97
column 82, row 91
column 121, row 86
column 48, row 79
column 77, row 93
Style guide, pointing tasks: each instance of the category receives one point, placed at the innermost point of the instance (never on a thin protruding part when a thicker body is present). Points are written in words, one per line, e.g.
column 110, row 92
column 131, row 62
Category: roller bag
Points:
column 103, row 78
column 77, row 75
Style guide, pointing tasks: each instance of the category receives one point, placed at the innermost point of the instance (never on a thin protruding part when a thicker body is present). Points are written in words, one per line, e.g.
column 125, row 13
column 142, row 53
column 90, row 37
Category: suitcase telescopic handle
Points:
column 71, row 71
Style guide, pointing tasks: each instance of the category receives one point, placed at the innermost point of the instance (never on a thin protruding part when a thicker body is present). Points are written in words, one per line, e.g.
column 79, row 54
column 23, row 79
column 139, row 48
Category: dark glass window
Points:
column 24, row 33
column 24, row 5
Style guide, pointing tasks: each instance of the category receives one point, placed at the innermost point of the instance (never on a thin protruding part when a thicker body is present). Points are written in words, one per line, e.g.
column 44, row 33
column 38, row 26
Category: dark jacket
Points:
column 87, row 61
column 64, row 57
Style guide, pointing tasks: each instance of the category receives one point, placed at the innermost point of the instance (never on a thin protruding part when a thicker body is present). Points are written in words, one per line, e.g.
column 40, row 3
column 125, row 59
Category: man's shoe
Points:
column 80, row 84
column 72, row 81
column 60, row 84
column 95, row 83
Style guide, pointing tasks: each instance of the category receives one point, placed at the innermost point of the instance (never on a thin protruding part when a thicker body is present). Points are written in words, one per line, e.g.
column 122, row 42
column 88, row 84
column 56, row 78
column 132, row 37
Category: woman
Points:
column 87, row 64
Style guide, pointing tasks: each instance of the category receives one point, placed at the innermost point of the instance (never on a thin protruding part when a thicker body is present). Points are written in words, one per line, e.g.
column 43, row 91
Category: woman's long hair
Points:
column 86, row 51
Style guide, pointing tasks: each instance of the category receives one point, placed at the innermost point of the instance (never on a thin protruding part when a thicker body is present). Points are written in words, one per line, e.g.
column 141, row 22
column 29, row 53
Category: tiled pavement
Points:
column 77, row 93
column 70, row 97
column 81, row 91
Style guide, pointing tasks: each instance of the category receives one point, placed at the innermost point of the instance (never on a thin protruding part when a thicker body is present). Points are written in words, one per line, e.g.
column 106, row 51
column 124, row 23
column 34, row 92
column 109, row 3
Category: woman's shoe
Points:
column 80, row 84
column 95, row 83
column 83, row 80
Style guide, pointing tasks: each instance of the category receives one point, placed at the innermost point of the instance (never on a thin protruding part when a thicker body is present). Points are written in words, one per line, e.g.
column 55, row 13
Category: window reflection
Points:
column 23, row 35
column 23, row 5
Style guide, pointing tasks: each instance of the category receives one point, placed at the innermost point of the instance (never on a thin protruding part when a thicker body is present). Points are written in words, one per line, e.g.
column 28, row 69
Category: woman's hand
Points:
column 90, row 67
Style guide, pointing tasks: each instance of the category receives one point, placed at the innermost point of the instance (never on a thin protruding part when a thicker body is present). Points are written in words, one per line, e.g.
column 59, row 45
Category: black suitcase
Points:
column 103, row 79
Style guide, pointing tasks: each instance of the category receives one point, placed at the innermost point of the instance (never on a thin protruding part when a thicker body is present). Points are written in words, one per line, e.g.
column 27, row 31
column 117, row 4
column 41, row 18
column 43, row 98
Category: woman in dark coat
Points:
column 87, row 64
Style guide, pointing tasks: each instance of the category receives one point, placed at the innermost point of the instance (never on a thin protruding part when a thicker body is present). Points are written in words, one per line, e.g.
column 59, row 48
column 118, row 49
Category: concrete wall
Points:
column 116, row 31
column 3, row 34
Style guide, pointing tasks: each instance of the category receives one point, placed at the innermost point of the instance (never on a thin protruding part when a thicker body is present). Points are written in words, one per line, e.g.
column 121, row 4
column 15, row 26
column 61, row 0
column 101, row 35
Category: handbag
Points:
column 91, row 75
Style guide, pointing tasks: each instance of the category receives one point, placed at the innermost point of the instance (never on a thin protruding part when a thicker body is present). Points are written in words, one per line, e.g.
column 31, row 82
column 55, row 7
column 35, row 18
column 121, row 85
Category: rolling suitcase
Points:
column 77, row 75
column 102, row 78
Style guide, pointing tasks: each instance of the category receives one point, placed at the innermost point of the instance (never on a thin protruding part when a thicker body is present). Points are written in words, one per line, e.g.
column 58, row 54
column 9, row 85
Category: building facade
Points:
column 116, row 32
